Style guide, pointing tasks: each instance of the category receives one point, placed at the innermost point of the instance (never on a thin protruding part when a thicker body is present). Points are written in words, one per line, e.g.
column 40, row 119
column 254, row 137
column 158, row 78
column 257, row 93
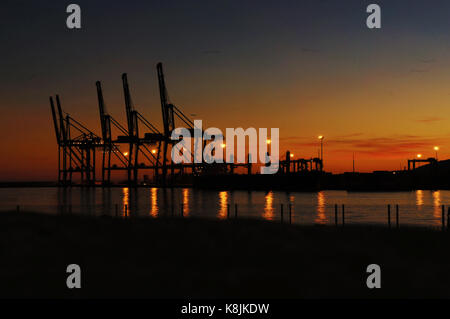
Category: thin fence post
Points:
column 336, row 214
column 443, row 217
column 343, row 214
column 117, row 210
column 235, row 210
column 389, row 216
column 448, row 218
column 396, row 216
column 290, row 213
column 282, row 213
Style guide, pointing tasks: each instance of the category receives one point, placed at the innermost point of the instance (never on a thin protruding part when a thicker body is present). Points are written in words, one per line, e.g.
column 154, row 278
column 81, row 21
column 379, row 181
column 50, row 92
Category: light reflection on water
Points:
column 125, row 201
column 419, row 199
column 321, row 217
column 437, row 204
column 268, row 206
column 421, row 207
column 154, row 202
column 223, row 200
column 186, row 210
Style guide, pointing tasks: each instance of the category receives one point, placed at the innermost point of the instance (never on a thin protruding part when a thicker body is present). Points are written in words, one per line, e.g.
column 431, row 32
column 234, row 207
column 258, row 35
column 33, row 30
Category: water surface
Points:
column 415, row 208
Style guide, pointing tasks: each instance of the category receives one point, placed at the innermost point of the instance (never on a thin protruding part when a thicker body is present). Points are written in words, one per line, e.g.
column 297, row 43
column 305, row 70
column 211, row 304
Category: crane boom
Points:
column 101, row 107
column 166, row 107
column 55, row 121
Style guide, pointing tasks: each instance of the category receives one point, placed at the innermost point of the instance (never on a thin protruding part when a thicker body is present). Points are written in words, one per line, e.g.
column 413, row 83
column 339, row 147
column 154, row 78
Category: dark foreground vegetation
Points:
column 188, row 257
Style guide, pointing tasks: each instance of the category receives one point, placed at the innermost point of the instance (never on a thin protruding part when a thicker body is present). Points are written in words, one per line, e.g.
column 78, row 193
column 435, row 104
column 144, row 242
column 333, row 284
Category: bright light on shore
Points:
column 223, row 145
column 419, row 155
column 436, row 148
column 268, row 141
column 320, row 137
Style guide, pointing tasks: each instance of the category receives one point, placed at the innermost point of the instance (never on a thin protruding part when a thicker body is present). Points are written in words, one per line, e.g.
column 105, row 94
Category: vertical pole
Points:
column 448, row 218
column 343, row 214
column 336, row 214
column 282, row 213
column 290, row 213
column 396, row 215
column 235, row 210
column 93, row 166
column 389, row 216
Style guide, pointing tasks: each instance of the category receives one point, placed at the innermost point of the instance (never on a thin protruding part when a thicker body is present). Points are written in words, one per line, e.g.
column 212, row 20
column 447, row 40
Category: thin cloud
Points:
column 211, row 52
column 310, row 50
column 431, row 119
column 419, row 71
column 396, row 146
column 427, row 61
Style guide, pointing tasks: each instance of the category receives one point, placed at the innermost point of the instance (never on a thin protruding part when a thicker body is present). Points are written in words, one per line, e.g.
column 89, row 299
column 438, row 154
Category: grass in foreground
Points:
column 189, row 258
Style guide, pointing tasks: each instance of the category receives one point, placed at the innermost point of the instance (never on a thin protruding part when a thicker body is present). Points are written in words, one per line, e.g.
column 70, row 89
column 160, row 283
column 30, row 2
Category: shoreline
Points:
column 278, row 189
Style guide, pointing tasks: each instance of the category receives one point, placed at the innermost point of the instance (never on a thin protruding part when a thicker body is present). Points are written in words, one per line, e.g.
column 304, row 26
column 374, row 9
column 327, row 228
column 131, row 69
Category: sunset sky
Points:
column 307, row 67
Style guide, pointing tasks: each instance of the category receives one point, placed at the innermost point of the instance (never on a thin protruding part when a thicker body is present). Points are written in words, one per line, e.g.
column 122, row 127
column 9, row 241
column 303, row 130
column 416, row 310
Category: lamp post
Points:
column 321, row 137
column 436, row 149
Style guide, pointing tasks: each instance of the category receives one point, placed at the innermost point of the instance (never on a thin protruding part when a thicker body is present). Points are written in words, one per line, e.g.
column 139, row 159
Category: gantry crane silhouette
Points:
column 125, row 148
column 144, row 152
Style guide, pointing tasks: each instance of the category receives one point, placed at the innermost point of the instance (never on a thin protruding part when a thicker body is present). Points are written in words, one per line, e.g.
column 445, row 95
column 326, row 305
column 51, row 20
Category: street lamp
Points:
column 436, row 148
column 419, row 155
column 321, row 137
